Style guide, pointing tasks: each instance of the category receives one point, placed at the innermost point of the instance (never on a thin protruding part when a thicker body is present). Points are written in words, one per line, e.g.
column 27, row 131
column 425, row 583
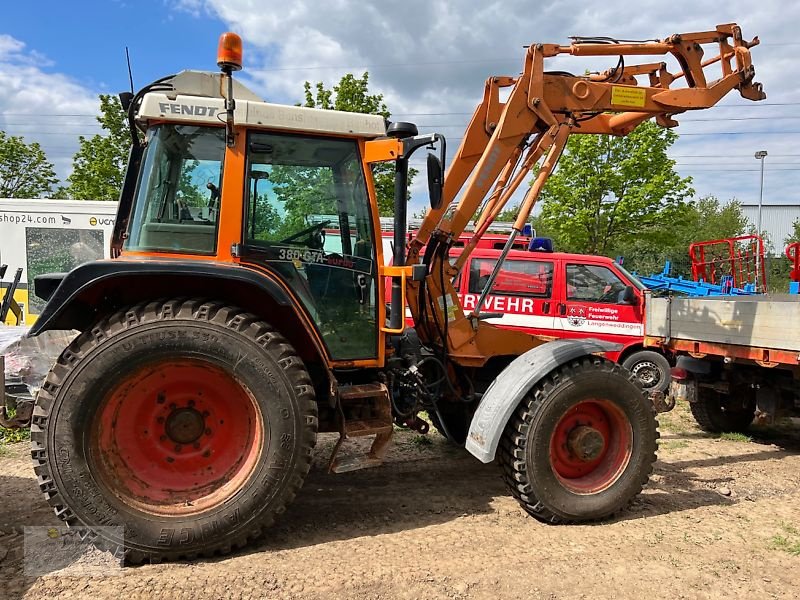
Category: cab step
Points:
column 363, row 410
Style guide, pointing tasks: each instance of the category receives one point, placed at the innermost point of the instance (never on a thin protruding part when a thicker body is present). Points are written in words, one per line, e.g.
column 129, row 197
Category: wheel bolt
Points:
column 178, row 447
column 163, row 438
column 208, row 431
column 161, row 398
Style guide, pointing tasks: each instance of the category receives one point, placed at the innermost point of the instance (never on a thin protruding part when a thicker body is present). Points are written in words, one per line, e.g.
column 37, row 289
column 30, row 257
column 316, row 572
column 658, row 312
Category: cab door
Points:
column 594, row 305
column 522, row 294
column 309, row 221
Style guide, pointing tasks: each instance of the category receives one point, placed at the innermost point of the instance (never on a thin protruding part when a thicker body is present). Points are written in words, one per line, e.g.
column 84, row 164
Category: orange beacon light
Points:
column 229, row 52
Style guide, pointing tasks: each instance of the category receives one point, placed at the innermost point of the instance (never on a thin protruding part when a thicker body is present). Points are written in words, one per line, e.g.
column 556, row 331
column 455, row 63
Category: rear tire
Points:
column 716, row 414
column 651, row 369
column 189, row 424
column 582, row 443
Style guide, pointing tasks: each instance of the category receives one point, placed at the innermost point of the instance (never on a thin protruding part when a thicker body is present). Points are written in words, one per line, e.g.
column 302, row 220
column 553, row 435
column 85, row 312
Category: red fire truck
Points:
column 560, row 295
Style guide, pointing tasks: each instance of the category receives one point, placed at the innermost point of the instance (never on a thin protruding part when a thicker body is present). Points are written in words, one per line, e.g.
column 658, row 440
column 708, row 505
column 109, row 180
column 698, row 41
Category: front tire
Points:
column 190, row 424
column 581, row 444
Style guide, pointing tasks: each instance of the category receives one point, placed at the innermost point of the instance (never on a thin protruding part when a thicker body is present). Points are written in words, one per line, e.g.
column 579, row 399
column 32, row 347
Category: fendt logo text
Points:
column 187, row 109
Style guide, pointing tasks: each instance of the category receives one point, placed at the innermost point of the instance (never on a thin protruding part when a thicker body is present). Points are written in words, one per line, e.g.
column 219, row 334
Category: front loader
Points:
column 244, row 311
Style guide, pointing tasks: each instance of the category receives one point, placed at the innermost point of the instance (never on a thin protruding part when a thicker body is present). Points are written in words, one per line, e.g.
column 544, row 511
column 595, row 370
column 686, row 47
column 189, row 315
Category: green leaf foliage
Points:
column 25, row 171
column 98, row 168
column 609, row 191
column 701, row 220
column 352, row 94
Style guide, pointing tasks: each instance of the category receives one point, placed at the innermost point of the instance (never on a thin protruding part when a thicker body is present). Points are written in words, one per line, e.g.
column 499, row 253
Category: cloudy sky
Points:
column 428, row 58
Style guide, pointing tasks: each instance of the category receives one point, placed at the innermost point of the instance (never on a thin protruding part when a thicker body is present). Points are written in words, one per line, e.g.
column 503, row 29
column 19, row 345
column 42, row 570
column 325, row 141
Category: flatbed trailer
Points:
column 738, row 357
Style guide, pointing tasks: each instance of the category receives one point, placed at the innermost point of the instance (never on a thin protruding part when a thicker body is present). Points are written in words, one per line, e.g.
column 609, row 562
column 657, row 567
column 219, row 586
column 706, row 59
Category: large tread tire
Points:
column 714, row 416
column 525, row 450
column 269, row 371
column 651, row 368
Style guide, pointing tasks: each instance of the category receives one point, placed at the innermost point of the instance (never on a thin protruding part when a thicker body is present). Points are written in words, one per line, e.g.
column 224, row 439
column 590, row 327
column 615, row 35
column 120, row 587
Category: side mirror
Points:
column 629, row 296
column 435, row 181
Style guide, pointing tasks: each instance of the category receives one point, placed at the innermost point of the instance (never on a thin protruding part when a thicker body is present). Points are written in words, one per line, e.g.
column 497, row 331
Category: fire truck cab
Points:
column 560, row 295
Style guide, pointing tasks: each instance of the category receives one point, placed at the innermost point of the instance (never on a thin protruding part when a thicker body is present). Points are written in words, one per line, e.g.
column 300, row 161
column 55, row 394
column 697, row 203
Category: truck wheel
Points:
column 581, row 444
column 715, row 413
column 650, row 368
column 188, row 424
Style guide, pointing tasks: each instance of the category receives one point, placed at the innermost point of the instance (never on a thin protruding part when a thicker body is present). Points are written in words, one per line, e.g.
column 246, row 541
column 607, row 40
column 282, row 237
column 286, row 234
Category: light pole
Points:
column 760, row 155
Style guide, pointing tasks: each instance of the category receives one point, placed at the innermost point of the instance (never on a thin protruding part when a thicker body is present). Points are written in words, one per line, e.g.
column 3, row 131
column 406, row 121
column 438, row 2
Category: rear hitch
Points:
column 662, row 402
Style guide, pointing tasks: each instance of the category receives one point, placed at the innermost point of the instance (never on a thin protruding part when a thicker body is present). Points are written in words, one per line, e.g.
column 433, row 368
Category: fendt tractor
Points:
column 227, row 329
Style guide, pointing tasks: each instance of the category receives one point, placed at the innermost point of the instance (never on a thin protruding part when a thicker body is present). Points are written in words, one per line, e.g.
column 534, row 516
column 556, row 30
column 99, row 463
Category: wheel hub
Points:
column 647, row 373
column 177, row 437
column 586, row 443
column 590, row 446
column 185, row 425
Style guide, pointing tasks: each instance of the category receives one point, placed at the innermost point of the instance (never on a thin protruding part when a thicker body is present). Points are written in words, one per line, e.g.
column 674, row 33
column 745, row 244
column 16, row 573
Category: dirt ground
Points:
column 719, row 519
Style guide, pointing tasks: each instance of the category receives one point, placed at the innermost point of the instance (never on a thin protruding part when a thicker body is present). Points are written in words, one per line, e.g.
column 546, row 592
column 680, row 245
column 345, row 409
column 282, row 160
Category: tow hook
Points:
column 662, row 402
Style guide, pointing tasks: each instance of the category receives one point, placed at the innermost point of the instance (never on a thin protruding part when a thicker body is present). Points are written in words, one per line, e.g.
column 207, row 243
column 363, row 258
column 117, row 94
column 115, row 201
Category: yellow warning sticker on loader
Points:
column 628, row 96
column 452, row 306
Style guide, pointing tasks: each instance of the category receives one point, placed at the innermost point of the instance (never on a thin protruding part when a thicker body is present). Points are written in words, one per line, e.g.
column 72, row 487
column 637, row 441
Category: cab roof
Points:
column 196, row 98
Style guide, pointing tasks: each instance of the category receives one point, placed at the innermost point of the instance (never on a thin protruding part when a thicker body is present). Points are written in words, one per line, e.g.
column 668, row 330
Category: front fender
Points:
column 507, row 391
column 74, row 298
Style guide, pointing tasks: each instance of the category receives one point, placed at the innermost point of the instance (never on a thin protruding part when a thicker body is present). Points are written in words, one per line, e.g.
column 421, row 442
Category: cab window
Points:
column 531, row 279
column 594, row 283
column 177, row 198
column 309, row 219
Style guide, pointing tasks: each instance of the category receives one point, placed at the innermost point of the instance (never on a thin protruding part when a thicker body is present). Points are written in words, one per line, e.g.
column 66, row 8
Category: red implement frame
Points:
column 741, row 258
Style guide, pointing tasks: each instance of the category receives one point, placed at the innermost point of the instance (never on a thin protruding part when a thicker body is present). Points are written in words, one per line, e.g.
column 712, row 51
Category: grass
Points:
column 421, row 441
column 12, row 436
column 735, row 436
column 788, row 540
column 673, row 444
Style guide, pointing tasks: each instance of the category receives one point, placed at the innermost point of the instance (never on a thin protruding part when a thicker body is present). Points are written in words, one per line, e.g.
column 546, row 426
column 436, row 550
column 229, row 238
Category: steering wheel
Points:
column 316, row 226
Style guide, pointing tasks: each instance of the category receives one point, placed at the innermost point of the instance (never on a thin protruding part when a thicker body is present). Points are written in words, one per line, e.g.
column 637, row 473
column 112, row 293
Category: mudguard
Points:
column 507, row 391
column 73, row 297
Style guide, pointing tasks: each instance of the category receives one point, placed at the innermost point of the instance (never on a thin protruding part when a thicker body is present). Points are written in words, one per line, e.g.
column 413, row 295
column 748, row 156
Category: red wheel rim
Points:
column 178, row 437
column 591, row 446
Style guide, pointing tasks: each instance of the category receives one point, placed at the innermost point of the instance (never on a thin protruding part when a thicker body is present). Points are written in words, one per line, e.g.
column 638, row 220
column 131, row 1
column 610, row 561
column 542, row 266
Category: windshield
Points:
column 177, row 198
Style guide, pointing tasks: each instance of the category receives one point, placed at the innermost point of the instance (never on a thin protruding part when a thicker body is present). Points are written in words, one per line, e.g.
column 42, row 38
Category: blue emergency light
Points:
column 541, row 244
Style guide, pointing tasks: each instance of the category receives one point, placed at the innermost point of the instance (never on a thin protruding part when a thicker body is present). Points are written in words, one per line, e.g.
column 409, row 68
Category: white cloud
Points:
column 433, row 57
column 30, row 97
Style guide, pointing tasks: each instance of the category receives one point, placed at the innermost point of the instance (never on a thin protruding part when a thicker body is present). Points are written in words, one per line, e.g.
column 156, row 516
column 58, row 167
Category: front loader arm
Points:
column 505, row 141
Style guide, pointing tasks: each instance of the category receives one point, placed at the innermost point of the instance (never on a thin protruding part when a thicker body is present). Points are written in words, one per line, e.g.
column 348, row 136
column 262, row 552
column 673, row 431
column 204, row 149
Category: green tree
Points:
column 608, row 191
column 795, row 235
column 25, row 171
column 702, row 220
column 352, row 94
column 98, row 168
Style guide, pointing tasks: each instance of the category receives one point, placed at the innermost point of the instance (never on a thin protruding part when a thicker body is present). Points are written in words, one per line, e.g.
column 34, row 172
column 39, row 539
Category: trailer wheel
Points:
column 717, row 413
column 187, row 425
column 650, row 368
column 581, row 444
